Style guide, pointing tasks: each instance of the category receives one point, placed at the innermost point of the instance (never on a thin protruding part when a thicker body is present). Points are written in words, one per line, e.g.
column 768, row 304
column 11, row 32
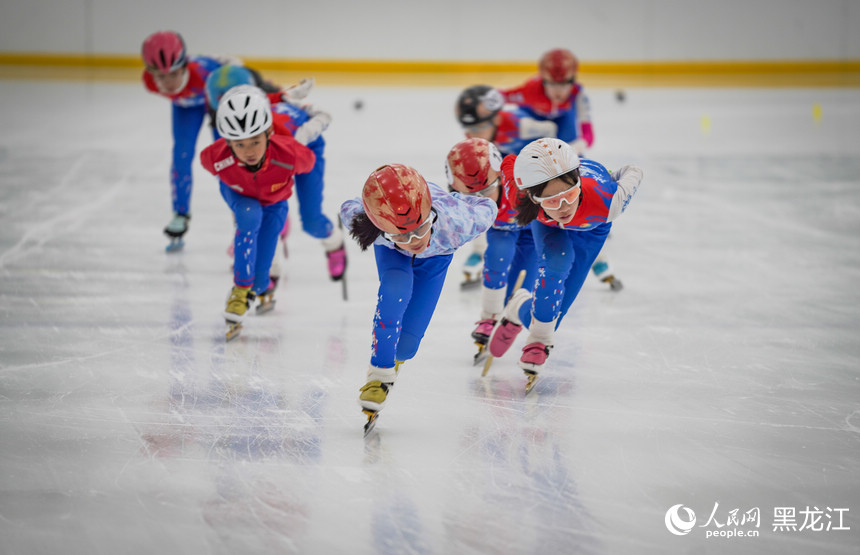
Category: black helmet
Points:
column 478, row 104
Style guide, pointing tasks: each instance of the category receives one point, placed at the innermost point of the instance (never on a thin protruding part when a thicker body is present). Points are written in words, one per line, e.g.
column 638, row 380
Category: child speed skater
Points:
column 414, row 228
column 256, row 169
column 570, row 205
column 475, row 167
column 171, row 73
column 306, row 123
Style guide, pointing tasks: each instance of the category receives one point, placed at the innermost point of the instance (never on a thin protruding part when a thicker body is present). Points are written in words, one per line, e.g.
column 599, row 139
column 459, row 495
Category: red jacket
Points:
column 532, row 96
column 273, row 182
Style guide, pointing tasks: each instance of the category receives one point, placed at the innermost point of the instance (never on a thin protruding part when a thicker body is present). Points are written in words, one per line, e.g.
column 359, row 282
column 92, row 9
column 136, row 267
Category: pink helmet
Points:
column 473, row 165
column 164, row 51
column 396, row 198
column 559, row 64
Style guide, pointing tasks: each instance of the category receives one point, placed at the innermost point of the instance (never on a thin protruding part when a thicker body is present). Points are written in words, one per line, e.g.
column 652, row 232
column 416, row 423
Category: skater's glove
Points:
column 298, row 92
column 629, row 176
column 531, row 128
column 310, row 131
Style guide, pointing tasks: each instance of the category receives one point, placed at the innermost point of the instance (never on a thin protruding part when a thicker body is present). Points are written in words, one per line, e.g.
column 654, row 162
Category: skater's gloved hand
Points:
column 310, row 131
column 628, row 176
column 531, row 128
column 296, row 93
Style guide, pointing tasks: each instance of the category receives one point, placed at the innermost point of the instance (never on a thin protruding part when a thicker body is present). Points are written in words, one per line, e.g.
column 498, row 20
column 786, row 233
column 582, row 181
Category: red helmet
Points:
column 396, row 198
column 558, row 65
column 473, row 165
column 164, row 51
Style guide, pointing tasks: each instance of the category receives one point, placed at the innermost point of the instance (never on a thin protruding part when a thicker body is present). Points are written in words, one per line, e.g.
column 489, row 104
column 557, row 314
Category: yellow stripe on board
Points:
column 789, row 73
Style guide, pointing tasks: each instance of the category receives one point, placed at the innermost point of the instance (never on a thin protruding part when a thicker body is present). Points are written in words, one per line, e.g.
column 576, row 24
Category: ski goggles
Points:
column 555, row 201
column 418, row 233
column 565, row 83
column 488, row 190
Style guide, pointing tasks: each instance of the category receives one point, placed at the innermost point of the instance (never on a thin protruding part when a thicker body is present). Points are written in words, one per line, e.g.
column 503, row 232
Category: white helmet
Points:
column 243, row 112
column 542, row 160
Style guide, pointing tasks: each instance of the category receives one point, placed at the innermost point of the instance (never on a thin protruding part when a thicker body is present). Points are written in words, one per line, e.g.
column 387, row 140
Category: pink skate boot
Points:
column 337, row 263
column 482, row 333
column 503, row 337
column 510, row 326
column 534, row 357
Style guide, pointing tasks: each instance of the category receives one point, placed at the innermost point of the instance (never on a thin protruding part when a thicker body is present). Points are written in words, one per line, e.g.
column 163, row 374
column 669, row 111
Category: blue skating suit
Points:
column 409, row 285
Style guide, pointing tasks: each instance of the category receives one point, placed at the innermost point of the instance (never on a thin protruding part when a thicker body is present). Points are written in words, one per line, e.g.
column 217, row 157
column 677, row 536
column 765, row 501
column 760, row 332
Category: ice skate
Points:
column 337, row 263
column 531, row 379
column 532, row 361
column 372, row 399
column 472, row 271
column 335, row 252
column 237, row 307
column 481, row 335
column 510, row 326
column 614, row 283
column 267, row 297
column 375, row 392
column 373, row 396
column 513, row 306
column 604, row 274
column 175, row 229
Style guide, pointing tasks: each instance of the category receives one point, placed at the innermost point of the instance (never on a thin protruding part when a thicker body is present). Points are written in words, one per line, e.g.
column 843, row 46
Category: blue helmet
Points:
column 223, row 79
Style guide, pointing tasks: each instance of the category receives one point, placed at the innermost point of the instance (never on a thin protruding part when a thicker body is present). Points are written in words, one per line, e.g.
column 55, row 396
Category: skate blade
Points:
column 233, row 330
column 265, row 307
column 371, row 421
column 530, row 381
column 470, row 284
column 614, row 283
column 487, row 364
column 175, row 244
column 481, row 355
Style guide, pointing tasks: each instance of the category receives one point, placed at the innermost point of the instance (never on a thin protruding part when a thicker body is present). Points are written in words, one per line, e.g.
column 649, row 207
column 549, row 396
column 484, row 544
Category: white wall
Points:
column 505, row 30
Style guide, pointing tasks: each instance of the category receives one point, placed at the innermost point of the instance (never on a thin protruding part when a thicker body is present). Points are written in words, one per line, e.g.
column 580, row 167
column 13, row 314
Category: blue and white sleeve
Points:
column 348, row 210
column 628, row 179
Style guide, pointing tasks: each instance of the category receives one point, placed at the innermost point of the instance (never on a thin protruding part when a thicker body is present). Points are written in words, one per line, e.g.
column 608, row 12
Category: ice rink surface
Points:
column 723, row 378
